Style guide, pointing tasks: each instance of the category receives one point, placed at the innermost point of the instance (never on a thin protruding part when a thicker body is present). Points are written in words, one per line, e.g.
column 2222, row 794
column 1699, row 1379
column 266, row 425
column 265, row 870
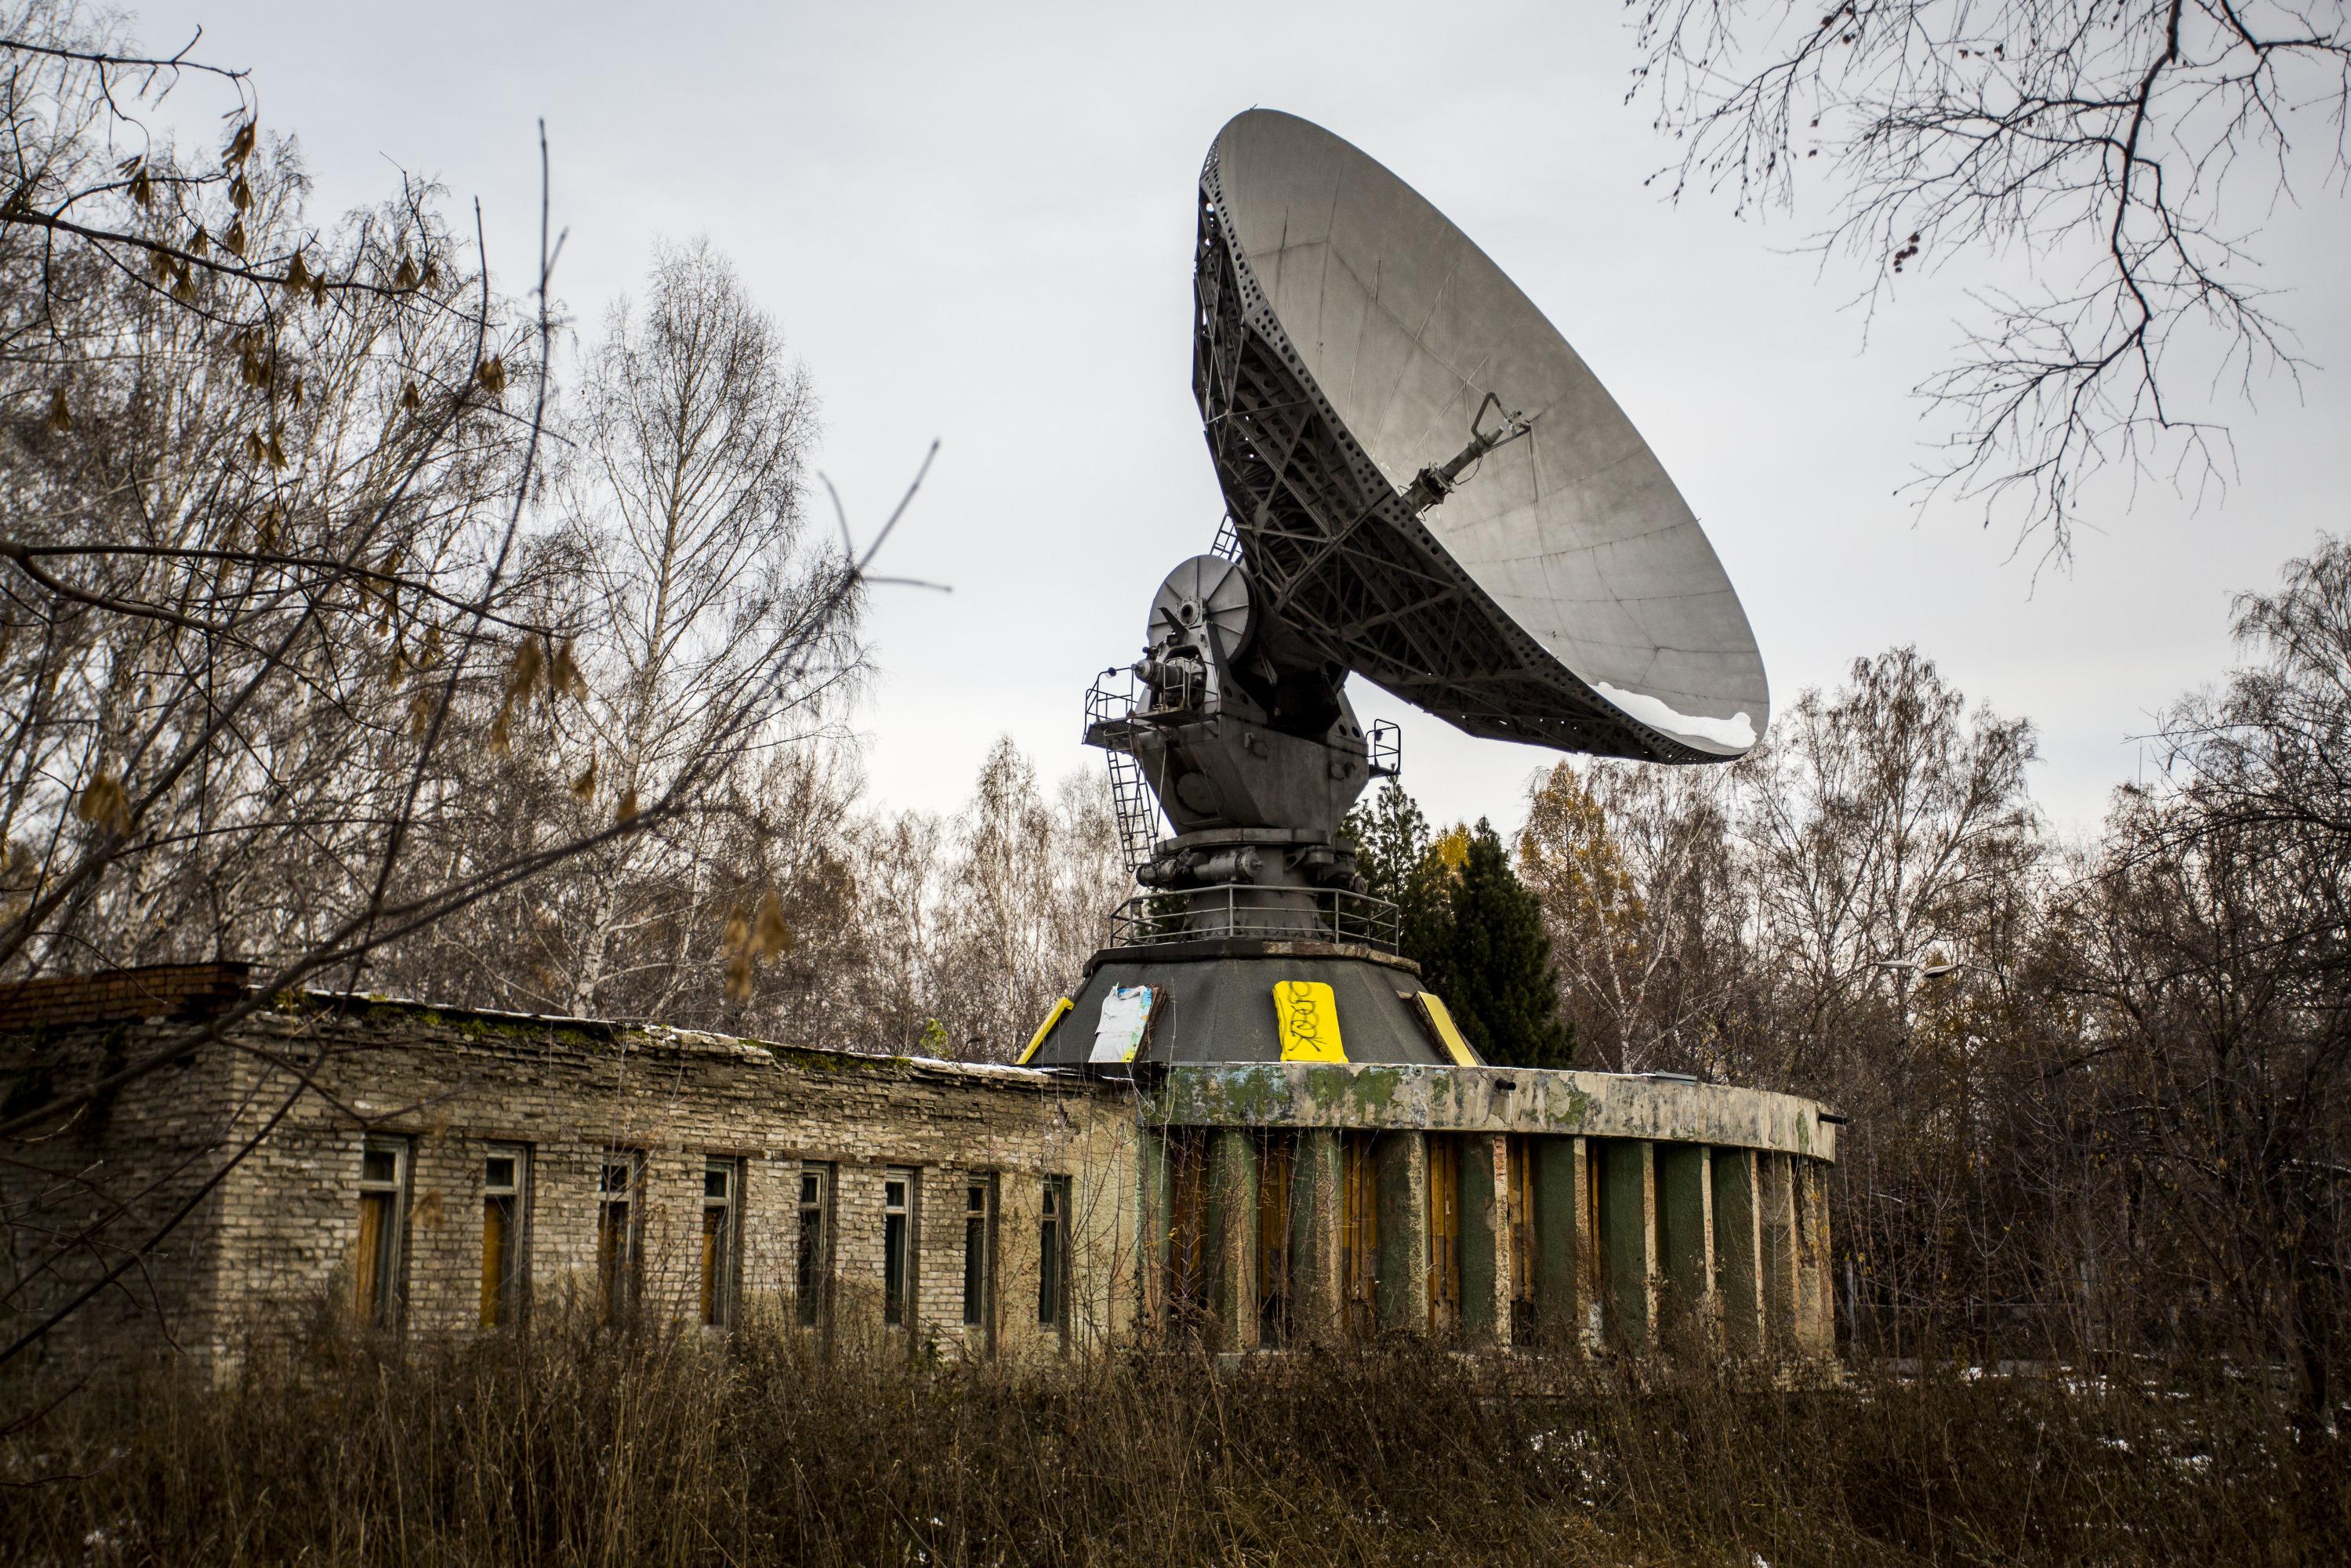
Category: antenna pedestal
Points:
column 1255, row 755
column 1253, row 758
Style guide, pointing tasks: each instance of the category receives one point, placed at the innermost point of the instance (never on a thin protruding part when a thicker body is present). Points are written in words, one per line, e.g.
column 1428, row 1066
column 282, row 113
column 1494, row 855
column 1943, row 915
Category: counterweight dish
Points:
column 1430, row 487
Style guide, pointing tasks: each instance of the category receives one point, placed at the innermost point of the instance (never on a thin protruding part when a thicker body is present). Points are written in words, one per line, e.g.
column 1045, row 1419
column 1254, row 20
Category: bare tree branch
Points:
column 2122, row 153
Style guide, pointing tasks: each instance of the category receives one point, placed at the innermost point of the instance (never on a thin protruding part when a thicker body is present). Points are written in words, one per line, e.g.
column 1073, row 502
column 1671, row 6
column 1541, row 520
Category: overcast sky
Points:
column 974, row 223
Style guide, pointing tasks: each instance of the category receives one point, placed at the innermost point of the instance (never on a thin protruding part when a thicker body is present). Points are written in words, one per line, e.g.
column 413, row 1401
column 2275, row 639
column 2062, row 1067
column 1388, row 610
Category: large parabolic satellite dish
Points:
column 1425, row 486
column 1352, row 344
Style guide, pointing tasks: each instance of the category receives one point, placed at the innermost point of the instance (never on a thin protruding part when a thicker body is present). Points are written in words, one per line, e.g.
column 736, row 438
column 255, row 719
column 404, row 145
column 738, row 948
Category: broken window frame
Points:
column 721, row 1241
column 980, row 1255
column 380, row 1252
column 505, row 1219
column 1053, row 1256
column 812, row 1256
column 619, row 1246
column 899, row 1251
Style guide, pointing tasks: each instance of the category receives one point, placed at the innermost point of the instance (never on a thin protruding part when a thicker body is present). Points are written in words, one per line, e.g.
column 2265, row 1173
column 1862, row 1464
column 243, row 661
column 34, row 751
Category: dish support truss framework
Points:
column 1340, row 559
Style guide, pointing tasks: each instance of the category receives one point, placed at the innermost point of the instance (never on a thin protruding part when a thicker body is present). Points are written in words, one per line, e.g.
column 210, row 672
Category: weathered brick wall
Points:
column 1647, row 1163
column 276, row 1238
column 91, row 1187
column 179, row 991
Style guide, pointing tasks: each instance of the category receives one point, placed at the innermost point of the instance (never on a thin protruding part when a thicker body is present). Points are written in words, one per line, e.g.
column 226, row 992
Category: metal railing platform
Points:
column 1258, row 912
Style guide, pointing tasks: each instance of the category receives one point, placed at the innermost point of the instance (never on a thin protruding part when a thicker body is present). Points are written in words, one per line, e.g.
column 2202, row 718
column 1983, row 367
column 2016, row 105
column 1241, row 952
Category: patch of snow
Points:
column 1737, row 731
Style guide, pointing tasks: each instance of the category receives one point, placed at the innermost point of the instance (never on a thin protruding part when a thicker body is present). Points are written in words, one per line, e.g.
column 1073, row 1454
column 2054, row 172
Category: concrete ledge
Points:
column 1486, row 1100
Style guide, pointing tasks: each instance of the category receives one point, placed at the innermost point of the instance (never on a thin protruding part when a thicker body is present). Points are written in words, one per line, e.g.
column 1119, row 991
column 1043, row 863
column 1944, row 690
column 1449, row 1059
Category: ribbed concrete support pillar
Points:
column 1737, row 1251
column 1314, row 1253
column 1776, row 1235
column 1232, row 1238
column 1567, row 1298
column 1686, row 1243
column 1817, row 1298
column 1589, row 1298
column 1402, row 1159
column 1628, row 1233
column 1485, row 1283
column 1154, row 1236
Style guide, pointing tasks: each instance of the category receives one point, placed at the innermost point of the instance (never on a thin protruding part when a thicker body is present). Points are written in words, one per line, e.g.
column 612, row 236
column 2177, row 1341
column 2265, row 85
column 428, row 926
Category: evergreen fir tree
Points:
column 1493, row 964
column 1397, row 856
column 1474, row 928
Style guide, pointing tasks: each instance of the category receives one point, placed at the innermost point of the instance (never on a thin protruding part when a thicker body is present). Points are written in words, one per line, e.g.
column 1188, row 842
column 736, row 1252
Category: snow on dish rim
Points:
column 1737, row 731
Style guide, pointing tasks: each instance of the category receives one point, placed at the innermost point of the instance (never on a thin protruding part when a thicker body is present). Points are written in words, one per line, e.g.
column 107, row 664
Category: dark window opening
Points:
column 616, row 1233
column 978, row 1259
column 383, row 1221
column 1053, row 1254
column 812, row 1267
column 722, row 1204
column 897, row 1247
column 504, row 1177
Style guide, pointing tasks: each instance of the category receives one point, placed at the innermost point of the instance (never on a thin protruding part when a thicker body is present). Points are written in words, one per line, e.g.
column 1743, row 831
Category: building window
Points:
column 1053, row 1254
column 1187, row 1149
column 1443, row 1233
column 722, row 1239
column 1359, row 1235
column 978, row 1251
column 618, row 1177
column 505, row 1177
column 384, row 1216
column 812, row 1267
column 1276, row 1160
column 897, row 1246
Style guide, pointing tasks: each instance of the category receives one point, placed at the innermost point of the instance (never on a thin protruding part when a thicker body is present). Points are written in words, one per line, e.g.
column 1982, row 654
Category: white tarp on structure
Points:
column 1126, row 1016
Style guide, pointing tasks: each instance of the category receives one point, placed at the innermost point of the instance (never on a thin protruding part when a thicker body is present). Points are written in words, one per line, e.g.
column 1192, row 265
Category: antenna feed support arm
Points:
column 1432, row 485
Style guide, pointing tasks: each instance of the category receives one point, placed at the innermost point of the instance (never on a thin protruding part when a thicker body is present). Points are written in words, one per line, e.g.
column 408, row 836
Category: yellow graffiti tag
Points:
column 1308, row 1015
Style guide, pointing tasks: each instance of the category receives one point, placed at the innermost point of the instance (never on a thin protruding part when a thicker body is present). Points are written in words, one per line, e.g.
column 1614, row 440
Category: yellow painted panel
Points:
column 1440, row 1024
column 1307, row 1013
column 1064, row 1005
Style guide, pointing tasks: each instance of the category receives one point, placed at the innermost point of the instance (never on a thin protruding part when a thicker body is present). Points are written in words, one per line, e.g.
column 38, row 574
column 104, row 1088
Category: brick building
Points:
column 436, row 1169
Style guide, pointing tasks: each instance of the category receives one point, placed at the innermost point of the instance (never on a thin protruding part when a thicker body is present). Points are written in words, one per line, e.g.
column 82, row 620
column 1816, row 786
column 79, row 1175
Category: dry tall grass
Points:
column 568, row 1446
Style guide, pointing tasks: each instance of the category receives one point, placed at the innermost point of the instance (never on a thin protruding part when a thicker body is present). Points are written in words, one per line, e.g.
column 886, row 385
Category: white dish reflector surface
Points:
column 1575, row 530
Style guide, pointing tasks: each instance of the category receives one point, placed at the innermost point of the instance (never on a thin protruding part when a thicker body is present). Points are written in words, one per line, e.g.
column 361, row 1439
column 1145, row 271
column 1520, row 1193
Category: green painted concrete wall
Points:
column 1561, row 1289
column 1485, row 1243
column 1627, row 1174
column 1684, row 1257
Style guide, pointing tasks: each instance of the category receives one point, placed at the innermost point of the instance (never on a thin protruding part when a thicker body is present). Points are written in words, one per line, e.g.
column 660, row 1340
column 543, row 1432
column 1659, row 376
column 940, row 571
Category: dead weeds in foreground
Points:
column 569, row 1446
